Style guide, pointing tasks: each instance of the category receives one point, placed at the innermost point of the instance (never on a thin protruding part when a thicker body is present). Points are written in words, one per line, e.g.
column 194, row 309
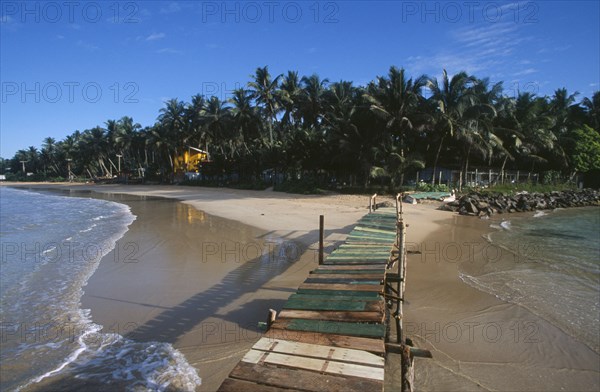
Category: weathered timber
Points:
column 304, row 303
column 375, row 346
column 232, row 385
column 330, row 315
column 341, row 287
column 315, row 364
column 333, row 327
column 303, row 380
column 319, row 351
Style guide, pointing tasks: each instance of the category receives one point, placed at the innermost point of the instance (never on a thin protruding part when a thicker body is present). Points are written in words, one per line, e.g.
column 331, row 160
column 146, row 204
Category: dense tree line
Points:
column 308, row 126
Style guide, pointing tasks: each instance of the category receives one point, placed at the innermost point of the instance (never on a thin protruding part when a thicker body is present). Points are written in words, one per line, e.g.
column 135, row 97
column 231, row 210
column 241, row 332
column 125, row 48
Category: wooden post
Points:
column 399, row 198
column 401, row 274
column 373, row 203
column 440, row 178
column 517, row 179
column 460, row 181
column 271, row 318
column 490, row 179
column 321, row 230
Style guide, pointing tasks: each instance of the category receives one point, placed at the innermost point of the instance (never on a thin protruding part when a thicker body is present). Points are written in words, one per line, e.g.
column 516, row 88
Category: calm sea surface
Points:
column 50, row 246
column 554, row 270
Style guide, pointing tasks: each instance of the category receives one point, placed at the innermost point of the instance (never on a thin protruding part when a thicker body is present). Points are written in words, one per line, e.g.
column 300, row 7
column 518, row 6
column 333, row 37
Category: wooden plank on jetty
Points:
column 330, row 333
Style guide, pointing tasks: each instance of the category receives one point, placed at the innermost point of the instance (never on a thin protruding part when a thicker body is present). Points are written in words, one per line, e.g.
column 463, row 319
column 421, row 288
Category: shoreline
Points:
column 214, row 342
column 442, row 313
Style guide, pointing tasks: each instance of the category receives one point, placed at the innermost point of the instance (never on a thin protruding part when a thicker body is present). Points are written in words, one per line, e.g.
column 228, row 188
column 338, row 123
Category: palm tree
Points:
column 125, row 136
column 244, row 115
column 311, row 96
column 217, row 117
column 265, row 91
column 48, row 155
column 349, row 143
column 592, row 110
column 195, row 114
column 290, row 91
column 450, row 101
column 395, row 99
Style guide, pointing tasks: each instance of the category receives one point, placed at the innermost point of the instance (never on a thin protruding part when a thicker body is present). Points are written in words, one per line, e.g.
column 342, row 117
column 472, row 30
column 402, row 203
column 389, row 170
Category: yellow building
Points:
column 190, row 160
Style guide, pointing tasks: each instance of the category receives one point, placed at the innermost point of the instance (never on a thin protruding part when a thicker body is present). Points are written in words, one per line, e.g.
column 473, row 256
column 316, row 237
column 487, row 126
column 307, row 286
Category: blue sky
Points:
column 69, row 66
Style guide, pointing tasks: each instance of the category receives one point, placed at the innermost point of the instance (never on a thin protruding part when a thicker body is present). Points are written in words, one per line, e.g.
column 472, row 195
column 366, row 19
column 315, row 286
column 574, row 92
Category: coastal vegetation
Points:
column 308, row 133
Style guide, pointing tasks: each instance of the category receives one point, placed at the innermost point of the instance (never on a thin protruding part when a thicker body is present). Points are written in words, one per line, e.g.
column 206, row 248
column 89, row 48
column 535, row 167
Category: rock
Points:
column 492, row 203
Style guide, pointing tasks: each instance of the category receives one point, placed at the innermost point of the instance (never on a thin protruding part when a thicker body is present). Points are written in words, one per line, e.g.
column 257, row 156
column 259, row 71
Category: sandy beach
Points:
column 206, row 295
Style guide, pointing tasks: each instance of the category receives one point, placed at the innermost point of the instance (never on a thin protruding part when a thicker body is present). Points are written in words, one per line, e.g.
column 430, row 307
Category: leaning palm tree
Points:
column 265, row 90
column 395, row 99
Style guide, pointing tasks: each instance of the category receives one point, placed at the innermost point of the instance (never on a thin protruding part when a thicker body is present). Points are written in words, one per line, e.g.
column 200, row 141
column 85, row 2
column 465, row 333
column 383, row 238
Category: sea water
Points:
column 50, row 246
column 554, row 268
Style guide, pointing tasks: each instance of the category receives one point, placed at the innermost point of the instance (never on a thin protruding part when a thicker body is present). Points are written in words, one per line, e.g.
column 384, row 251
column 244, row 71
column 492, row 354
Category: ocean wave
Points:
column 111, row 359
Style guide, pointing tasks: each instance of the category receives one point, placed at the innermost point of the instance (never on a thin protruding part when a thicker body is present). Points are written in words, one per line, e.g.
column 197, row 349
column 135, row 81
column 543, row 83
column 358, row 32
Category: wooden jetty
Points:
column 332, row 334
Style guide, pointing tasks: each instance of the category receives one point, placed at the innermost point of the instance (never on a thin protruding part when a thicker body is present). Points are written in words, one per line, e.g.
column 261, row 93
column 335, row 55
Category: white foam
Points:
column 506, row 225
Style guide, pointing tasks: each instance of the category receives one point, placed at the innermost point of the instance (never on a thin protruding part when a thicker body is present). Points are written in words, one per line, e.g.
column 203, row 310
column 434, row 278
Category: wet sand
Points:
column 206, row 295
column 478, row 341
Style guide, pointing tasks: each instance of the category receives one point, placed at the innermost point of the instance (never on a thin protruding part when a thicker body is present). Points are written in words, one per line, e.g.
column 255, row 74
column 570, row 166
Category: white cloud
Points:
column 169, row 51
column 527, row 71
column 482, row 50
column 155, row 36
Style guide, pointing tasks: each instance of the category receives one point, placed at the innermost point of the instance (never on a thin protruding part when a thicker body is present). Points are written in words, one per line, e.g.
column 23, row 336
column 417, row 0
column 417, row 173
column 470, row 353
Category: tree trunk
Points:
column 467, row 166
column 437, row 157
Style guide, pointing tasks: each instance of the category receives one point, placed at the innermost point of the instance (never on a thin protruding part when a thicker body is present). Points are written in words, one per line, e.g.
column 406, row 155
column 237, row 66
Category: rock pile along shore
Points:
column 478, row 204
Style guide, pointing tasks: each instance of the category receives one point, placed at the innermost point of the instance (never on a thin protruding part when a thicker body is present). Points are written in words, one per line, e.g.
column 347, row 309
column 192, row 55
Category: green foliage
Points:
column 304, row 186
column 586, row 155
column 427, row 187
column 509, row 189
column 371, row 136
column 553, row 177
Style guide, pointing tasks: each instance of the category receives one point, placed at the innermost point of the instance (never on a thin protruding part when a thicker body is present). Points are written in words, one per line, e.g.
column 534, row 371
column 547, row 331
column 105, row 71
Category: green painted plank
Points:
column 371, row 240
column 343, row 281
column 365, row 247
column 335, row 256
column 378, row 231
column 358, row 272
column 328, row 297
column 353, row 252
column 317, row 304
column 344, row 293
column 337, row 327
column 357, row 260
column 362, row 233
